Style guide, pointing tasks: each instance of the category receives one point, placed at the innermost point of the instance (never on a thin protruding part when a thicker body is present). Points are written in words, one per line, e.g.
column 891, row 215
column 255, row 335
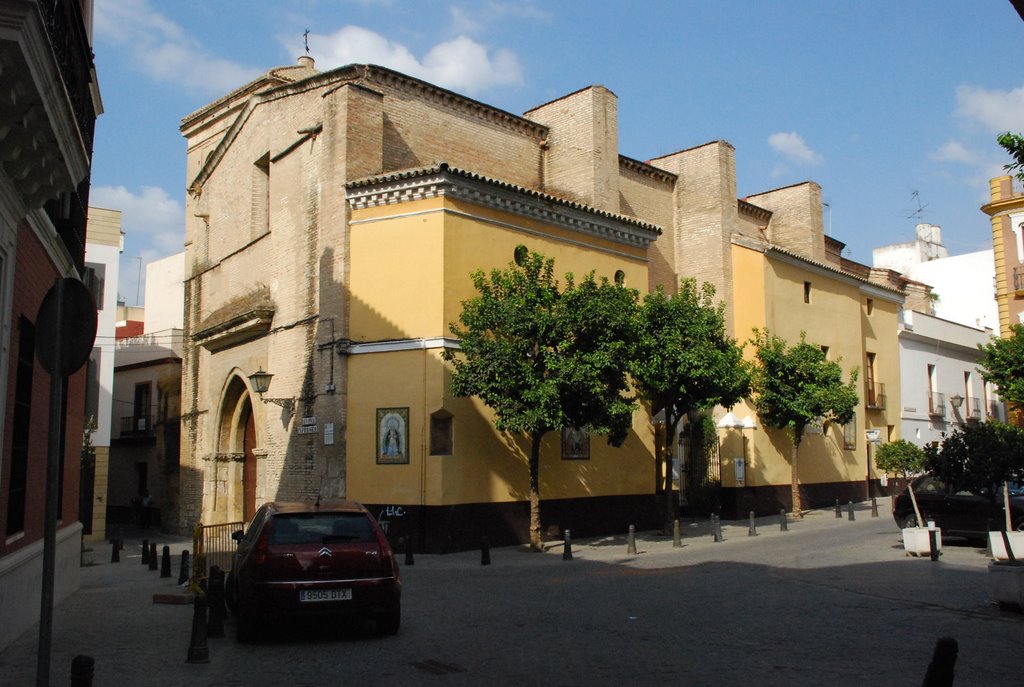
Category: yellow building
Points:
column 327, row 250
column 1006, row 210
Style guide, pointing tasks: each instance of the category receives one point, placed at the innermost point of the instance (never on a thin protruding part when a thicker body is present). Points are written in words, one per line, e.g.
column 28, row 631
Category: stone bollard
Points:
column 152, row 556
column 783, row 525
column 115, row 553
column 215, row 600
column 198, row 652
column 165, row 562
column 485, row 551
column 567, row 547
column 940, row 671
column 839, row 511
column 183, row 572
column 409, row 560
column 82, row 668
column 677, row 534
column 752, row 530
column 145, row 552
column 874, row 507
column 631, row 540
column 852, row 518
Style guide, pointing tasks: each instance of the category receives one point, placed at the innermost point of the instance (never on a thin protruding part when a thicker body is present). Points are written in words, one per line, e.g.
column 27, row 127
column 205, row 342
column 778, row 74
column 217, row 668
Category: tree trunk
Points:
column 670, row 430
column 535, row 540
column 795, row 484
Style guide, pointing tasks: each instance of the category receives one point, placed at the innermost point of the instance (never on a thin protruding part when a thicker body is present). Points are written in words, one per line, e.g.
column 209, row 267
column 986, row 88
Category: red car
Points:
column 303, row 560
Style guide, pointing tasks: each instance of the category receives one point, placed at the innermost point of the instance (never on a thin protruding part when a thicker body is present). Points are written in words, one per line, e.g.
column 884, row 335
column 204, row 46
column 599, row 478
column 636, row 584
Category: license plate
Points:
column 315, row 595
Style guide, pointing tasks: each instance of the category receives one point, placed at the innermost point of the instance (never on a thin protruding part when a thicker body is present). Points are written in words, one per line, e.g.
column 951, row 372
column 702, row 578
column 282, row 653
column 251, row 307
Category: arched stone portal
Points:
column 236, row 472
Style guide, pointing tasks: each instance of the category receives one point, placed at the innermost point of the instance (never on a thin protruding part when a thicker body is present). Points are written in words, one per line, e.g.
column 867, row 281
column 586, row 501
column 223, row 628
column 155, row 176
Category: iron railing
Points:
column 212, row 545
column 137, row 425
column 876, row 396
column 937, row 404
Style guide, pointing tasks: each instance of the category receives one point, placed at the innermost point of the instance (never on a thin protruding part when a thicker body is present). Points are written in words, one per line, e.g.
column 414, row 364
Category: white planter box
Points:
column 1007, row 585
column 915, row 541
column 995, row 542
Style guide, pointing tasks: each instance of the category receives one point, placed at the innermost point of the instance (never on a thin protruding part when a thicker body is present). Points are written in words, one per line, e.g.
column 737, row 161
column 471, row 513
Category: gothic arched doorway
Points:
column 237, row 473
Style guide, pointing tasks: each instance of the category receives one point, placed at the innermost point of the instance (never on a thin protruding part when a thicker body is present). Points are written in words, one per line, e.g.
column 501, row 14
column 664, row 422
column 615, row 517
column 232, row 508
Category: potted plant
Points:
column 1009, row 542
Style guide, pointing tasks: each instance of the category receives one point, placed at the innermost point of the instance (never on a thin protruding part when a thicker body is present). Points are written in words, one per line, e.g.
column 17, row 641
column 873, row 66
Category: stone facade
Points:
column 286, row 264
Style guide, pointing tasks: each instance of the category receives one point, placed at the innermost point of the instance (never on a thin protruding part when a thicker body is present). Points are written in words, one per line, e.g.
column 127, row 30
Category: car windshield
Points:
column 319, row 528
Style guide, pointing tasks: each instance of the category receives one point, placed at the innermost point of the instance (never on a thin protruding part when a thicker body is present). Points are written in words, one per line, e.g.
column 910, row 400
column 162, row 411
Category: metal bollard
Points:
column 165, row 562
column 783, row 525
column 152, row 556
column 567, row 547
column 716, row 527
column 839, row 511
column 852, row 518
column 677, row 534
column 631, row 540
column 485, row 551
column 874, row 507
column 82, row 668
column 115, row 553
column 198, row 651
column 215, row 600
column 145, row 552
column 183, row 572
column 752, row 530
column 933, row 545
column 409, row 560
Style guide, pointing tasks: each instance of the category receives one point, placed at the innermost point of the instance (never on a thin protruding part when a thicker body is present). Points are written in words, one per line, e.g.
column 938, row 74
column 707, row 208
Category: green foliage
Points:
column 979, row 456
column 88, row 456
column 795, row 385
column 900, row 457
column 1002, row 363
column 684, row 359
column 544, row 358
column 1014, row 145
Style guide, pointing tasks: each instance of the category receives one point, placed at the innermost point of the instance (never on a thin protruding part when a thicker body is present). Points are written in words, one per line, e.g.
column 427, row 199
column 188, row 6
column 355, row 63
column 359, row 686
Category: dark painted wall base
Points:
column 444, row 529
column 737, row 502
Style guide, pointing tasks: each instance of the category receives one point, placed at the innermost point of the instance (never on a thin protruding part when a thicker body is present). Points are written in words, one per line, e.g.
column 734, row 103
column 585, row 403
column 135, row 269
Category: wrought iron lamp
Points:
column 956, row 400
column 260, row 381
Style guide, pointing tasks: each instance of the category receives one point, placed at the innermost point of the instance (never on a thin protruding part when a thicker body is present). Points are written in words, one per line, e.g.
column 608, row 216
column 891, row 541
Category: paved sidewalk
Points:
column 133, row 640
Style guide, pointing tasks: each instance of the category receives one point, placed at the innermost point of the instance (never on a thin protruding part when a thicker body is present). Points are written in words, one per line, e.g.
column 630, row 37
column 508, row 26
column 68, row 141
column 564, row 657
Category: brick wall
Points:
column 797, row 223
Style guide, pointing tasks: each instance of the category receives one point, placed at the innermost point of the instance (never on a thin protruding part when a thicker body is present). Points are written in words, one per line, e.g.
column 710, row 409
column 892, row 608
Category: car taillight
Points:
column 387, row 560
column 259, row 551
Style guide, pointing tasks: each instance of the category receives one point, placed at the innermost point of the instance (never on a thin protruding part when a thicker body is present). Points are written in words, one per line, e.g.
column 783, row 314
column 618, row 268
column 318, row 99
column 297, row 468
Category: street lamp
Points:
column 956, row 400
column 260, row 381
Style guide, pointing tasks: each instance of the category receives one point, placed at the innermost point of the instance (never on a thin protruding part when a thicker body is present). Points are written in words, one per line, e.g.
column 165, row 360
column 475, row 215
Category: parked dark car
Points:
column 304, row 560
column 959, row 513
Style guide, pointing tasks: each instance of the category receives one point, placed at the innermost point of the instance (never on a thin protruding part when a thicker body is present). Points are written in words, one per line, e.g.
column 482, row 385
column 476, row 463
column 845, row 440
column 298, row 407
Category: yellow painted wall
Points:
column 770, row 294
column 445, row 242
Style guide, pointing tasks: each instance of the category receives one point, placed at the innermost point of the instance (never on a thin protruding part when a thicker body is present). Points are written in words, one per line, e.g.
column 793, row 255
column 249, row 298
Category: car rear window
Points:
column 320, row 528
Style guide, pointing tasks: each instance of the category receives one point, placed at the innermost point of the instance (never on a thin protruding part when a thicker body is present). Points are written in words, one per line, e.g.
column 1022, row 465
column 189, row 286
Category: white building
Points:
column 941, row 385
column 103, row 245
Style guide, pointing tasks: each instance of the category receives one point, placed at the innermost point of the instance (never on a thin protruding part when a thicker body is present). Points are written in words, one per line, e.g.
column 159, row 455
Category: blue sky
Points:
column 874, row 100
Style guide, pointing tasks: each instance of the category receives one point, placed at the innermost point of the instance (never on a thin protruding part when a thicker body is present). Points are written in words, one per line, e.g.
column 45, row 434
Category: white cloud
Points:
column 161, row 49
column 475, row 17
column 150, row 218
column 997, row 110
column 792, row 146
column 955, row 151
column 460, row 64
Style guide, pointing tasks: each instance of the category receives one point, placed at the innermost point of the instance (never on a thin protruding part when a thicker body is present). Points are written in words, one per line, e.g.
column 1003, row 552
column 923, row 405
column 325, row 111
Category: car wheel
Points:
column 389, row 622
column 909, row 521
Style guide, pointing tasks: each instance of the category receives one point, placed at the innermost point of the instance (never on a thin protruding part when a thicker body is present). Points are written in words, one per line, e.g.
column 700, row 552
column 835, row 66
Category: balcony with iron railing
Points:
column 973, row 409
column 936, row 404
column 876, row 396
column 1018, row 278
column 137, row 426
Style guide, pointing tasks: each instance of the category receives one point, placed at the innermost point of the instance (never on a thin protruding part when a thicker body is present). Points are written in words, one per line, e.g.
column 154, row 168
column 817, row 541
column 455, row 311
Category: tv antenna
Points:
column 917, row 214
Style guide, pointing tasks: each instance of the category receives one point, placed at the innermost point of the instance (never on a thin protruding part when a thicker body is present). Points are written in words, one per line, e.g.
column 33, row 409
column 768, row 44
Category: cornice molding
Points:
column 442, row 181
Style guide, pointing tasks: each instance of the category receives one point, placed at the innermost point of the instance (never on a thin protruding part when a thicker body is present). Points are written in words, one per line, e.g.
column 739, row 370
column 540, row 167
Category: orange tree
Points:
column 684, row 361
column 794, row 386
column 544, row 358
